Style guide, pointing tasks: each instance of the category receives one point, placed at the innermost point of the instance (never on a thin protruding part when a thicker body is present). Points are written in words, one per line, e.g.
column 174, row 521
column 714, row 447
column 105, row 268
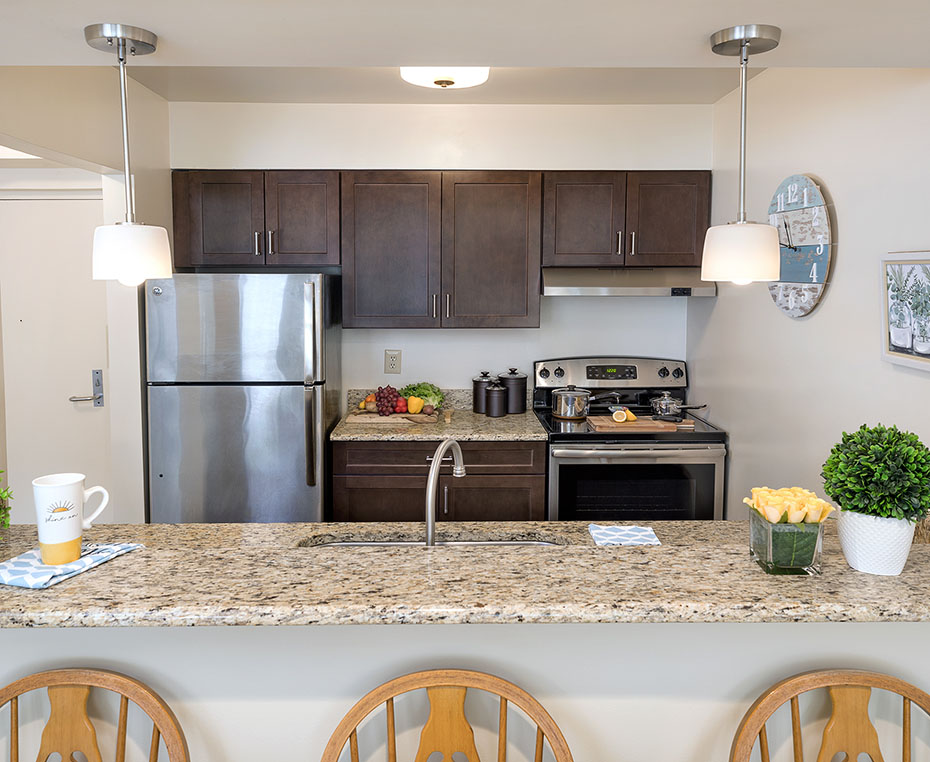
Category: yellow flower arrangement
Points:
column 788, row 505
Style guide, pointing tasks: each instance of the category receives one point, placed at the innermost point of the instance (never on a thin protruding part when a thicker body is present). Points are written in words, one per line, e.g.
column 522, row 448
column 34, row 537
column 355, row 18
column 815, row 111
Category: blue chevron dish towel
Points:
column 27, row 569
column 623, row 535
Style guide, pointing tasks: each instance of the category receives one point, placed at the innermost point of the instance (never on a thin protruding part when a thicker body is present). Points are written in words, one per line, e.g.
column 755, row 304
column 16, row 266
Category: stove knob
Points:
column 559, row 373
column 677, row 373
column 544, row 373
column 663, row 372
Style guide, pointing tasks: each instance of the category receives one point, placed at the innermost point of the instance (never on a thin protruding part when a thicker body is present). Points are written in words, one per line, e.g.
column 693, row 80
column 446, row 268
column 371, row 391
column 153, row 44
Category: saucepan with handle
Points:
column 666, row 404
column 572, row 403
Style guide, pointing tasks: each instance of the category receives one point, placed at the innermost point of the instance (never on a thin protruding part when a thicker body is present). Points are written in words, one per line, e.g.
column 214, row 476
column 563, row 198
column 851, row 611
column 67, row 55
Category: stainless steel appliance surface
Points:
column 243, row 377
column 627, row 473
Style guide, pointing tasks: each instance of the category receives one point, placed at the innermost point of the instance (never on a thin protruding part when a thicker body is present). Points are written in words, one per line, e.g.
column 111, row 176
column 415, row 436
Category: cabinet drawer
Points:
column 400, row 458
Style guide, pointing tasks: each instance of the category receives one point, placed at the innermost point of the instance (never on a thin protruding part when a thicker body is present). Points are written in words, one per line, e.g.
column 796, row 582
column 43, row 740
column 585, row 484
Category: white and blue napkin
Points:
column 27, row 569
column 623, row 535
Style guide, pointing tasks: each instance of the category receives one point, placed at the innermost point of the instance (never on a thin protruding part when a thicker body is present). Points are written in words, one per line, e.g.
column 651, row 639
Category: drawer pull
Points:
column 429, row 458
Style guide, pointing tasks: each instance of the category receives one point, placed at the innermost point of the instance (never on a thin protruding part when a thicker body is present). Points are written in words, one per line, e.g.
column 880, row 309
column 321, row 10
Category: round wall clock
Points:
column 799, row 211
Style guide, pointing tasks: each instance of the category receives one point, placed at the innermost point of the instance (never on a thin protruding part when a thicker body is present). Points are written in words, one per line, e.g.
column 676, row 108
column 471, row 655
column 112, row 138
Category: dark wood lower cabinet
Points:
column 386, row 481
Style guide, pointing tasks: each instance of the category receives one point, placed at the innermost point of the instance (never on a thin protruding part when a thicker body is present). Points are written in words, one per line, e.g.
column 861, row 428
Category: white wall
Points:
column 786, row 389
column 71, row 115
column 229, row 135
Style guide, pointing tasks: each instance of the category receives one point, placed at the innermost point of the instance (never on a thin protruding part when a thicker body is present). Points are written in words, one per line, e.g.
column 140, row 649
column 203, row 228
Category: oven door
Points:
column 648, row 482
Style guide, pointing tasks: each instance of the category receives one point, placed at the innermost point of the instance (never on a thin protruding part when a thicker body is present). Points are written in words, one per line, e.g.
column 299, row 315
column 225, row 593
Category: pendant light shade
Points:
column 742, row 252
column 131, row 253
column 128, row 252
column 445, row 77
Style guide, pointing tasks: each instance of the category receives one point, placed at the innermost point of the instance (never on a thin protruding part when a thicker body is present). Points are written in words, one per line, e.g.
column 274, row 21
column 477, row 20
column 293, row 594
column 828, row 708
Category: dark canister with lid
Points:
column 515, row 384
column 496, row 400
column 479, row 387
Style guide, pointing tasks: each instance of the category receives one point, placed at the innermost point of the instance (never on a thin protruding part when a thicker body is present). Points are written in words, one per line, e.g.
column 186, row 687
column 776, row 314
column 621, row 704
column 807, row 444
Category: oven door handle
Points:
column 630, row 454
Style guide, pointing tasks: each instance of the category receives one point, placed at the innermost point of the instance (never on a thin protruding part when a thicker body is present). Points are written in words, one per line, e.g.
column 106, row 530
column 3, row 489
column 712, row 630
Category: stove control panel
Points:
column 610, row 372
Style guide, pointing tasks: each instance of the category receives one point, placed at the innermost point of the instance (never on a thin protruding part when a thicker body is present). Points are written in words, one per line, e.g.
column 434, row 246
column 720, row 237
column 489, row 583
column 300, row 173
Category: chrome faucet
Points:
column 432, row 483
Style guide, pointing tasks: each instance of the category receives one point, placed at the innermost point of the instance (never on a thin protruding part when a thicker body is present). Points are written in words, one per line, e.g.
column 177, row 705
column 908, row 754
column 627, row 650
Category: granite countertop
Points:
column 465, row 426
column 258, row 574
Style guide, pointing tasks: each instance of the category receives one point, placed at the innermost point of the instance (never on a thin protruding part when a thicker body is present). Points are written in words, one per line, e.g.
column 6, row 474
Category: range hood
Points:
column 626, row 281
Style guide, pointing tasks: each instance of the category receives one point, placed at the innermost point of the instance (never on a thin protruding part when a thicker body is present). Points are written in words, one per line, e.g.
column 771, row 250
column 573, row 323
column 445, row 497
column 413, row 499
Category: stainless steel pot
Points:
column 666, row 404
column 573, row 403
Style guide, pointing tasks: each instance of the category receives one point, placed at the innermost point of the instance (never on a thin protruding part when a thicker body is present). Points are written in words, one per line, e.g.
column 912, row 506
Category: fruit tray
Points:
column 364, row 417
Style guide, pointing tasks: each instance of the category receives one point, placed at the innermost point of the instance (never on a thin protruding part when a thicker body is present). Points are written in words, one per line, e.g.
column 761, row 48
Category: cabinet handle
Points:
column 270, row 247
column 633, row 244
column 435, row 306
column 445, row 499
column 619, row 243
column 448, row 305
column 257, row 251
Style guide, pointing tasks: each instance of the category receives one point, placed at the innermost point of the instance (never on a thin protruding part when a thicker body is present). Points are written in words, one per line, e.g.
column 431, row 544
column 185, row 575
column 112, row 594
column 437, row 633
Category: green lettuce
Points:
column 430, row 394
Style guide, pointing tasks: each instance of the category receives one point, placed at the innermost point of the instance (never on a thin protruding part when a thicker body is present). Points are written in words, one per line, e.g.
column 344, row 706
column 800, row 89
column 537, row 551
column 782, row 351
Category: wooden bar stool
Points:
column 69, row 728
column 447, row 730
column 849, row 729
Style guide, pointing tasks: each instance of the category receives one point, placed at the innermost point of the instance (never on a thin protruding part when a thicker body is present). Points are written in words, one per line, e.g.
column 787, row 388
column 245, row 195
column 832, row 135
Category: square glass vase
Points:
column 785, row 548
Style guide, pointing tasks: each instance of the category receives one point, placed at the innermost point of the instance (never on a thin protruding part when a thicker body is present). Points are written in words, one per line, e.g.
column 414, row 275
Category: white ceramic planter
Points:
column 875, row 544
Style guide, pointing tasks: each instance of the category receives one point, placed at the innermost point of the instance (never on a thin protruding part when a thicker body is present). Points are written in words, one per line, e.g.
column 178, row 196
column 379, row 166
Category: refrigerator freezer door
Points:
column 236, row 453
column 228, row 328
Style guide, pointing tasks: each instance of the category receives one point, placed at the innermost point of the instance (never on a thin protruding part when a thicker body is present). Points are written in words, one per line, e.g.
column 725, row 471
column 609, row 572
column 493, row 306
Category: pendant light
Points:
column 445, row 77
column 741, row 251
column 128, row 251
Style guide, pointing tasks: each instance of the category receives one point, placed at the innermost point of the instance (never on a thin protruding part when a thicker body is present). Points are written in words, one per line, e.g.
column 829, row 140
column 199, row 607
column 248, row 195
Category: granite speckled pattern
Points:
column 257, row 574
column 464, row 426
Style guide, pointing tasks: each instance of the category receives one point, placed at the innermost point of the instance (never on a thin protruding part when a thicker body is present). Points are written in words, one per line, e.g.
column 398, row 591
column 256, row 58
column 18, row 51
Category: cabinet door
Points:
column 667, row 214
column 490, row 249
column 225, row 211
column 492, row 498
column 391, row 249
column 379, row 498
column 583, row 219
column 301, row 218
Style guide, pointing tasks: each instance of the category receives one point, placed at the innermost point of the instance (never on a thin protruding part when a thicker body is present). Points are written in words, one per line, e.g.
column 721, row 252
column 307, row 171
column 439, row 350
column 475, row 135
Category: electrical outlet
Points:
column 392, row 361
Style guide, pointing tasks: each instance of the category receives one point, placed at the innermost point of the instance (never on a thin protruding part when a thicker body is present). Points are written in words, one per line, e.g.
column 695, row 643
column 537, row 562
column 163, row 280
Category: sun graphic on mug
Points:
column 61, row 507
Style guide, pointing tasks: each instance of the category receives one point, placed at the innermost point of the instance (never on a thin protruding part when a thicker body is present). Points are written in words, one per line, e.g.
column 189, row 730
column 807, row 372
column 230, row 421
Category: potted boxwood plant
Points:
column 880, row 477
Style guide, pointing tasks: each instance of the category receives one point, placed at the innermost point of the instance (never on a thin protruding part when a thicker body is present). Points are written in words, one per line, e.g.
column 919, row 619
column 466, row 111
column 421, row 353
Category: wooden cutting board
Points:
column 606, row 423
column 395, row 418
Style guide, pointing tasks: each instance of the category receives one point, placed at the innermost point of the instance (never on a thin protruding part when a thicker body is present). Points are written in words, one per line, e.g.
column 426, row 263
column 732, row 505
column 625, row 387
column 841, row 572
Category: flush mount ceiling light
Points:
column 128, row 251
column 445, row 77
column 741, row 251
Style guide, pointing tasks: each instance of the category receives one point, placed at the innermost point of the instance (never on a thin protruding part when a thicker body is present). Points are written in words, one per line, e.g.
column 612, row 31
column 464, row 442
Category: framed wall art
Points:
column 906, row 308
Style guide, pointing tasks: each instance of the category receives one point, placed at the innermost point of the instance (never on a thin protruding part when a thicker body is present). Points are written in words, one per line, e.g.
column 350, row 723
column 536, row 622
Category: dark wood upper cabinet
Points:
column 583, row 219
column 490, row 249
column 302, row 218
column 391, row 249
column 237, row 218
column 667, row 215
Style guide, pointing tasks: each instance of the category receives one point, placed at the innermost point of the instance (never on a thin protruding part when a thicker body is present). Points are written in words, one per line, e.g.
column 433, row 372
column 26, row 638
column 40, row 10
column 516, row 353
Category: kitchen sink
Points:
column 412, row 543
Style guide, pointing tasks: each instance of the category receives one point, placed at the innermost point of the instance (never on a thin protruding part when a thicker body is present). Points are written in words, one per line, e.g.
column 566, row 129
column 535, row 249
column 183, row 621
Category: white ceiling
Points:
column 343, row 37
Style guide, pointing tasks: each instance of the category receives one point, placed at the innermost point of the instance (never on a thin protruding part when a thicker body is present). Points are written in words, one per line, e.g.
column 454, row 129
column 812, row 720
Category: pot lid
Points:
column 485, row 377
column 513, row 374
column 571, row 389
column 495, row 385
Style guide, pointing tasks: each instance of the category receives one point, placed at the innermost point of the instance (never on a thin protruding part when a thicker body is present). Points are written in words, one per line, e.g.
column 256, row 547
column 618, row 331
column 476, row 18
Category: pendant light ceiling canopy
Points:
column 741, row 251
column 445, row 77
column 128, row 251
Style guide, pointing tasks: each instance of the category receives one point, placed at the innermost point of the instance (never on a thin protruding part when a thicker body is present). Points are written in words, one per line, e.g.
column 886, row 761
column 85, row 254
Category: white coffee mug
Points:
column 60, row 518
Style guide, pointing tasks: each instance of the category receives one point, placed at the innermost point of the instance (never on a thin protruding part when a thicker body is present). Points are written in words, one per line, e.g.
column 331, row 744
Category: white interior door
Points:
column 53, row 319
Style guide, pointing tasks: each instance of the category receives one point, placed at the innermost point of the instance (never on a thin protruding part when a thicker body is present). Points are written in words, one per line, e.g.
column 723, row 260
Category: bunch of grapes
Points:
column 386, row 398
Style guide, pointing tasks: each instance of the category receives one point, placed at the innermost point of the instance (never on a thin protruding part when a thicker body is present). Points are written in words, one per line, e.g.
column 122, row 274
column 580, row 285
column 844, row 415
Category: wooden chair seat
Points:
column 447, row 730
column 69, row 728
column 849, row 730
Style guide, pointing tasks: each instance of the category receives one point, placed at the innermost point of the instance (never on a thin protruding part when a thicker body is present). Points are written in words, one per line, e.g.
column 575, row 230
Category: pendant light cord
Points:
column 743, row 66
column 121, row 55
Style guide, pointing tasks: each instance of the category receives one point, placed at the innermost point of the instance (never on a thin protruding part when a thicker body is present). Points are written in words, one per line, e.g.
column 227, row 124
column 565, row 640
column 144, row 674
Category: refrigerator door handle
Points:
column 310, row 437
column 310, row 336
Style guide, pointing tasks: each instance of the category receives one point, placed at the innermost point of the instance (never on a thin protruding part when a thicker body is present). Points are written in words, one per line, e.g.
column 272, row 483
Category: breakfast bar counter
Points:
column 283, row 574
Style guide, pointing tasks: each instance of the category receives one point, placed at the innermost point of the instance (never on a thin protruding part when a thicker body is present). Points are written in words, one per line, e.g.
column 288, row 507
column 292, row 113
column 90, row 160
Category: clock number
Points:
column 805, row 194
column 815, row 219
column 773, row 220
column 820, row 246
column 813, row 273
column 793, row 193
column 781, row 202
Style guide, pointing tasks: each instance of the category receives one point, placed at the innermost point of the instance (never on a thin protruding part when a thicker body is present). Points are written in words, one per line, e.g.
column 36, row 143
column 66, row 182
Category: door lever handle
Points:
column 96, row 382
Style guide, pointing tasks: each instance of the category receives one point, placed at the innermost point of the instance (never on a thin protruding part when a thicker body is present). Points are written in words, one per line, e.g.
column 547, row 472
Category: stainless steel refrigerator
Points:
column 242, row 375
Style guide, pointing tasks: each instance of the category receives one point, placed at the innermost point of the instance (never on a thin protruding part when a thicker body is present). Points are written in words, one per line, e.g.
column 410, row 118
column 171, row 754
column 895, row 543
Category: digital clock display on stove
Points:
column 611, row 372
